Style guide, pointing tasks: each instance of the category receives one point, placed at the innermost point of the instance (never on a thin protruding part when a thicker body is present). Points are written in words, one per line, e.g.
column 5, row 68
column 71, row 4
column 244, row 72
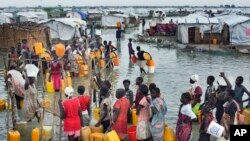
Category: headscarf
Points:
column 68, row 91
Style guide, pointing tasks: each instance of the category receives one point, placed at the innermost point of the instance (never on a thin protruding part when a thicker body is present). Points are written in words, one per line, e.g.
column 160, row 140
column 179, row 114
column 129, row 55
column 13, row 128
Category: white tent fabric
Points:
column 4, row 19
column 239, row 27
column 110, row 20
column 64, row 28
column 28, row 16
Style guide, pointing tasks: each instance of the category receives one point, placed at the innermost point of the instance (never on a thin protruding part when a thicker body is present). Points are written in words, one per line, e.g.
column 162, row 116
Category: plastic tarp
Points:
column 166, row 29
column 64, row 28
column 27, row 16
column 4, row 19
column 110, row 21
column 84, row 16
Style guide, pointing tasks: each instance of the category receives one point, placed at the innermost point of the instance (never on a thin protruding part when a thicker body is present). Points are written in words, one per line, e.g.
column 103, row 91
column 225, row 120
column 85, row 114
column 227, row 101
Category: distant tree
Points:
column 205, row 6
column 227, row 6
column 221, row 6
column 232, row 6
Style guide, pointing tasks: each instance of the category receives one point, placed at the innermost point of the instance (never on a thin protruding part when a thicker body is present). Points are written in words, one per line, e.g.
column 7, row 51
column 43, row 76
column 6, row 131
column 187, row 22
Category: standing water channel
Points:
column 172, row 73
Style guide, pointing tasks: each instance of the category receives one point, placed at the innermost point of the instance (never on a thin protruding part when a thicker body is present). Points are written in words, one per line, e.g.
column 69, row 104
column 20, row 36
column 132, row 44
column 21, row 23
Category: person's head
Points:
column 12, row 49
column 110, row 42
column 12, row 67
column 104, row 92
column 93, row 23
column 119, row 93
column 126, row 84
column 229, row 95
column 139, row 80
column 155, row 93
column 130, row 40
column 185, row 98
column 205, row 109
column 194, row 78
column 81, row 89
column 151, row 86
column 210, row 80
column 31, row 80
column 106, row 84
column 105, row 42
column 138, row 48
column 239, row 80
column 24, row 41
column 68, row 91
column 144, row 90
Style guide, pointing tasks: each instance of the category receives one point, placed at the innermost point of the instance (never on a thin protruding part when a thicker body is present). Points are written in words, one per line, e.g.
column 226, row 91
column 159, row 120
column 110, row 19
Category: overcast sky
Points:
column 18, row 3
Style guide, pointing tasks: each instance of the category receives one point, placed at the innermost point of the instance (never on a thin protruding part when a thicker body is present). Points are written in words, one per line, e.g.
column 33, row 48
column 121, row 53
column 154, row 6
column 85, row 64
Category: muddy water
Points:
column 173, row 69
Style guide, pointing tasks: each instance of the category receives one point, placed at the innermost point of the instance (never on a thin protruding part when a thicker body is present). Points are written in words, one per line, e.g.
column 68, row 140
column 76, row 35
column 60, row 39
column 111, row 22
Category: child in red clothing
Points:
column 84, row 100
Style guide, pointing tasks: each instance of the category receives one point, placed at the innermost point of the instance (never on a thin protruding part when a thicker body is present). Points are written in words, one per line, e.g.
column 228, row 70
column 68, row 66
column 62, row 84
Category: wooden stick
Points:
column 42, row 117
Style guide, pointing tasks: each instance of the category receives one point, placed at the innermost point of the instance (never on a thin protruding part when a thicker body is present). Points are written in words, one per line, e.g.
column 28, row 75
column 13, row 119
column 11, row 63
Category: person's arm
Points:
column 105, row 108
column 116, row 113
column 81, row 117
column 27, row 83
column 89, row 109
column 138, row 109
column 246, row 91
column 62, row 111
column 50, row 74
column 229, row 86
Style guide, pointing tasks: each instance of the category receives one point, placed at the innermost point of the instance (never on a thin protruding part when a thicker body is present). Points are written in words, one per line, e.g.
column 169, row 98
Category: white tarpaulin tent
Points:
column 64, row 28
column 4, row 19
column 27, row 16
column 204, row 23
column 110, row 20
column 239, row 28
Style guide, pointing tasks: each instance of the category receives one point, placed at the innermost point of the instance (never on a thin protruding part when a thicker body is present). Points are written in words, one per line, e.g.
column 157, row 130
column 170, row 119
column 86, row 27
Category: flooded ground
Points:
column 173, row 69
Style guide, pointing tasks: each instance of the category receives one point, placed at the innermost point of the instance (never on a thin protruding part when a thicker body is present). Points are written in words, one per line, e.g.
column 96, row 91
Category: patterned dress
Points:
column 31, row 106
column 184, row 127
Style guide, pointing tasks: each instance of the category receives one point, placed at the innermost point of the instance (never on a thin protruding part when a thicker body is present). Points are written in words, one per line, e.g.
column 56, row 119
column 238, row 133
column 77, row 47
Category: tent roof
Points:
column 10, row 15
column 68, row 21
column 197, row 19
column 233, row 20
column 84, row 16
column 121, row 15
column 27, row 14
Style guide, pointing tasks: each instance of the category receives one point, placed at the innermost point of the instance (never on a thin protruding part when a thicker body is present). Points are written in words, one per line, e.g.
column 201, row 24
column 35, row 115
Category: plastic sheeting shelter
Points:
column 201, row 22
column 110, row 20
column 64, row 28
column 239, row 28
column 77, row 14
column 4, row 19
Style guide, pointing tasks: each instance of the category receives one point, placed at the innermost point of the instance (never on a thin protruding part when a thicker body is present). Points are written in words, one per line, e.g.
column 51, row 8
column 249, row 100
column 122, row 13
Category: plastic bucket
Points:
column 214, row 41
column 215, row 129
column 132, row 133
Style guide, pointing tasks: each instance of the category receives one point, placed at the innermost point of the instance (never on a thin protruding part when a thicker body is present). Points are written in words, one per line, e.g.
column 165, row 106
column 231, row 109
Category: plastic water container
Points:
column 38, row 48
column 169, row 134
column 214, row 41
column 151, row 69
column 98, row 54
column 35, row 135
column 46, row 103
column 102, row 63
column 2, row 104
column 13, row 136
column 46, row 133
column 50, row 86
column 116, row 61
column 246, row 113
column 22, row 128
column 96, row 129
column 112, row 136
column 96, row 113
column 85, row 133
column 134, row 59
column 62, row 84
column 147, row 56
column 79, row 59
column 96, row 137
column 132, row 133
column 134, row 117
column 215, row 129
column 60, row 50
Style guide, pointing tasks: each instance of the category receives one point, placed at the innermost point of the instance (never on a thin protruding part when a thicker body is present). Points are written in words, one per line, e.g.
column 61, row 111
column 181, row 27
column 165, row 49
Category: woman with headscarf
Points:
column 70, row 112
column 196, row 92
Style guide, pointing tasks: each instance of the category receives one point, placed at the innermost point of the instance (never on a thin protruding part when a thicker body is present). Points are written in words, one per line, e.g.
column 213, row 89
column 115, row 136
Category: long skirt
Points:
column 56, row 78
column 121, row 128
column 143, row 130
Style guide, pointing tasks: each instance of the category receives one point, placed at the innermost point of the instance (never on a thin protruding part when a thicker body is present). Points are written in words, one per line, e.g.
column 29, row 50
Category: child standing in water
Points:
column 185, row 118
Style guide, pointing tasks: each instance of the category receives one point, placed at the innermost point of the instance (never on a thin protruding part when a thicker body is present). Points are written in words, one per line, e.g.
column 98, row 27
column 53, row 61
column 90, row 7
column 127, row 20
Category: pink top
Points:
column 72, row 121
column 144, row 112
column 55, row 67
column 122, row 104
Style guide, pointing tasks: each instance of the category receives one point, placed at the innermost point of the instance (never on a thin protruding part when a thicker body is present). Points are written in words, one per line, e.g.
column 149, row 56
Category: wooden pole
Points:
column 13, row 109
column 43, row 97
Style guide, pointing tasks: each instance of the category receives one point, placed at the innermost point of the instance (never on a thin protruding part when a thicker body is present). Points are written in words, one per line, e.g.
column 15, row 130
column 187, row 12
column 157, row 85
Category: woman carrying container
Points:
column 56, row 74
column 70, row 112
column 120, row 111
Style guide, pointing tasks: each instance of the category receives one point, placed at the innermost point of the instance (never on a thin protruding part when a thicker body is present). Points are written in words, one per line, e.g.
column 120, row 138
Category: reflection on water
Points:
column 173, row 69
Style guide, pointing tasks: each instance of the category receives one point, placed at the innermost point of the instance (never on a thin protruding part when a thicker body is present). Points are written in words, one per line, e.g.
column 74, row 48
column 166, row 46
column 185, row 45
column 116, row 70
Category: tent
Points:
column 190, row 29
column 77, row 14
column 27, row 16
column 64, row 28
column 110, row 20
column 4, row 19
column 239, row 28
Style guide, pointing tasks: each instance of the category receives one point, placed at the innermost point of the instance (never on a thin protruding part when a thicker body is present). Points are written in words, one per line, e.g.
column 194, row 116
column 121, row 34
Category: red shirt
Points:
column 72, row 121
column 122, row 104
column 84, row 101
column 56, row 67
